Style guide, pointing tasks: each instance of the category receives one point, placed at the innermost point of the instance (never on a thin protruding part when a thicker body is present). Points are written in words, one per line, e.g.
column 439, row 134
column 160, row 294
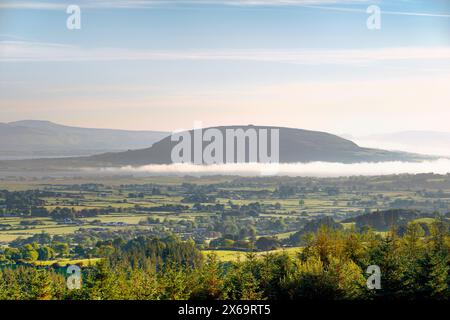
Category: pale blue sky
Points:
column 165, row 64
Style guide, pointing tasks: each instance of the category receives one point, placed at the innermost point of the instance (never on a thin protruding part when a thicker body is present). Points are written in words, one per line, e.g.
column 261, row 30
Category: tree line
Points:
column 331, row 265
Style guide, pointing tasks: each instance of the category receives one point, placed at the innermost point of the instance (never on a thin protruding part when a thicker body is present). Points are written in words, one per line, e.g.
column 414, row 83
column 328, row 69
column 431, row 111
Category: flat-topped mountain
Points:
column 295, row 145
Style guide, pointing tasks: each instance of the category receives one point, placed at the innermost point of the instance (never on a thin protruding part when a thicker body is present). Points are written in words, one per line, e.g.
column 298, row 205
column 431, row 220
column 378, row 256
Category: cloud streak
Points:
column 22, row 51
column 149, row 4
column 312, row 169
column 388, row 12
column 142, row 4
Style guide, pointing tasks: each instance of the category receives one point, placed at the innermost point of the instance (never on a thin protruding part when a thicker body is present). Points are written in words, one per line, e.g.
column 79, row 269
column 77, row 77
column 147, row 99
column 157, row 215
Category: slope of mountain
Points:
column 31, row 139
column 295, row 145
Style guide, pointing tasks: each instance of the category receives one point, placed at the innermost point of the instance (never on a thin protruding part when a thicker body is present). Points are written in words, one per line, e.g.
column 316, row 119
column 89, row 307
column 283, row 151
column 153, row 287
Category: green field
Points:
column 233, row 255
column 373, row 193
column 65, row 262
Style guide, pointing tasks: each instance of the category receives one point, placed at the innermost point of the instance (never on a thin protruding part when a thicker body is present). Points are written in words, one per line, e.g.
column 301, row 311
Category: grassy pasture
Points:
column 110, row 195
column 66, row 262
column 233, row 255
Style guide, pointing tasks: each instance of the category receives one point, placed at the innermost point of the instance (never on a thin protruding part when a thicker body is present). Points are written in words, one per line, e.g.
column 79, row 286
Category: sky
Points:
column 165, row 65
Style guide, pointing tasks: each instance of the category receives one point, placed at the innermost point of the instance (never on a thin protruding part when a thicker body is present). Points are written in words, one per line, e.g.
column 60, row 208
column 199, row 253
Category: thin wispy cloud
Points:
column 139, row 4
column 148, row 4
column 32, row 5
column 388, row 12
column 22, row 51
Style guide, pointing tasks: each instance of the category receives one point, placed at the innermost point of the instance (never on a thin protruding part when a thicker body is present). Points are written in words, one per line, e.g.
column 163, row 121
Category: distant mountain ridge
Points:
column 35, row 138
column 295, row 146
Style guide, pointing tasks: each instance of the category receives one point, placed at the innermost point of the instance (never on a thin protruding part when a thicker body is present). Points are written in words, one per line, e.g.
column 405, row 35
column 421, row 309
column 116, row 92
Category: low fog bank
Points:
column 312, row 169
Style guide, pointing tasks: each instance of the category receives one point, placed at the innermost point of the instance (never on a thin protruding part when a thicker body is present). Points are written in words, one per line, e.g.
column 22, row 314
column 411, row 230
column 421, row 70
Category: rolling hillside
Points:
column 35, row 139
column 296, row 145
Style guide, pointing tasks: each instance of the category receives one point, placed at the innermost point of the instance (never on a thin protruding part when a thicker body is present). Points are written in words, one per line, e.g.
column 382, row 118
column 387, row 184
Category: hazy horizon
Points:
column 345, row 135
column 153, row 65
column 436, row 143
